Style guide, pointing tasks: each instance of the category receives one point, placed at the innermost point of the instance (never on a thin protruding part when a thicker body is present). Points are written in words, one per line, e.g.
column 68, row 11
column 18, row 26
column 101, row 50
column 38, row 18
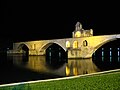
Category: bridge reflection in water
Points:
column 38, row 64
column 59, row 67
column 23, row 68
column 80, row 66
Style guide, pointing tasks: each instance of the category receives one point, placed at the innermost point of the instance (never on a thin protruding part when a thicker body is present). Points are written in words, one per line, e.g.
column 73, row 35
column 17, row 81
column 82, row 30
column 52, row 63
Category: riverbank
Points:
column 108, row 80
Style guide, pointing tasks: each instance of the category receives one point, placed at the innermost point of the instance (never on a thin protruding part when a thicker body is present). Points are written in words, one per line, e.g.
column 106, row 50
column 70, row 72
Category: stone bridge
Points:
column 82, row 44
column 80, row 47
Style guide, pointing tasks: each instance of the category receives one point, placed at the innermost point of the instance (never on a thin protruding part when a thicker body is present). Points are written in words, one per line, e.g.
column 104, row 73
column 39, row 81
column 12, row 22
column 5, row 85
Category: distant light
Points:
column 50, row 54
column 110, row 59
column 110, row 48
column 118, row 53
column 102, row 48
column 59, row 54
column 118, row 59
column 110, row 53
column 102, row 53
column 118, row 49
column 49, row 48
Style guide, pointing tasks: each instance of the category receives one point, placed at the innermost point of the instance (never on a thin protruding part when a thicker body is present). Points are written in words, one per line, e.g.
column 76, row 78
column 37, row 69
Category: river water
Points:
column 15, row 69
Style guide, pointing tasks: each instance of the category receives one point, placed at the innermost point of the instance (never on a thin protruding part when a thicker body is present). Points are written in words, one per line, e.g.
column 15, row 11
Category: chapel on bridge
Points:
column 80, row 32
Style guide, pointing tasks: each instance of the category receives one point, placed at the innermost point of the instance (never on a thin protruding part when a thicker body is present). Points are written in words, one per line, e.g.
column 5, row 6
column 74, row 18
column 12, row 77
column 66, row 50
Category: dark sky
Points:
column 34, row 20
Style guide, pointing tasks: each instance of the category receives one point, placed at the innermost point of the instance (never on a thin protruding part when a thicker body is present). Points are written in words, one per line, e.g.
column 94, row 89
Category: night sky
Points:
column 34, row 20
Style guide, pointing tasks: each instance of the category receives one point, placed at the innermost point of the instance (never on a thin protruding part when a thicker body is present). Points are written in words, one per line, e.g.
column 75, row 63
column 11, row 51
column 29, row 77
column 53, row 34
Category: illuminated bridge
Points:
column 82, row 44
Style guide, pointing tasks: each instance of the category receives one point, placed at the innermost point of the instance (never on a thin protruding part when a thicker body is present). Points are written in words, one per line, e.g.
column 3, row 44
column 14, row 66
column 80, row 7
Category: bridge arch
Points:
column 103, row 43
column 45, row 46
column 22, row 46
column 23, row 49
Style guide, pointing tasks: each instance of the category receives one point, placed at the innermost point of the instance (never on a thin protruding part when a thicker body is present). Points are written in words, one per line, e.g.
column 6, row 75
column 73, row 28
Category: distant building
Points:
column 80, row 32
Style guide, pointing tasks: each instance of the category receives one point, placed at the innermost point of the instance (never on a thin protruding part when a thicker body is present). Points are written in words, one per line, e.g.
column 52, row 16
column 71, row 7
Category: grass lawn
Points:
column 108, row 81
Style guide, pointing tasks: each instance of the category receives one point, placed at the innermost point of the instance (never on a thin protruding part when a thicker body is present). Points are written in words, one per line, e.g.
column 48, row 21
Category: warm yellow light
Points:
column 75, row 72
column 67, row 44
column 78, row 34
column 67, row 71
column 75, row 44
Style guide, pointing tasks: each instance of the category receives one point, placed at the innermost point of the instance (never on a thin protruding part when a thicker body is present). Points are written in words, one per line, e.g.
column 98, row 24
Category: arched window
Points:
column 75, row 44
column 85, row 43
column 67, row 44
column 78, row 34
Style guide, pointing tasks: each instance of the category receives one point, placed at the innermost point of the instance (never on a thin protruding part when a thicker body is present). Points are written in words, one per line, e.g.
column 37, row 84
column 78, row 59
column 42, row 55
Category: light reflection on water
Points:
column 40, row 67
column 80, row 66
column 58, row 67
column 39, row 64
